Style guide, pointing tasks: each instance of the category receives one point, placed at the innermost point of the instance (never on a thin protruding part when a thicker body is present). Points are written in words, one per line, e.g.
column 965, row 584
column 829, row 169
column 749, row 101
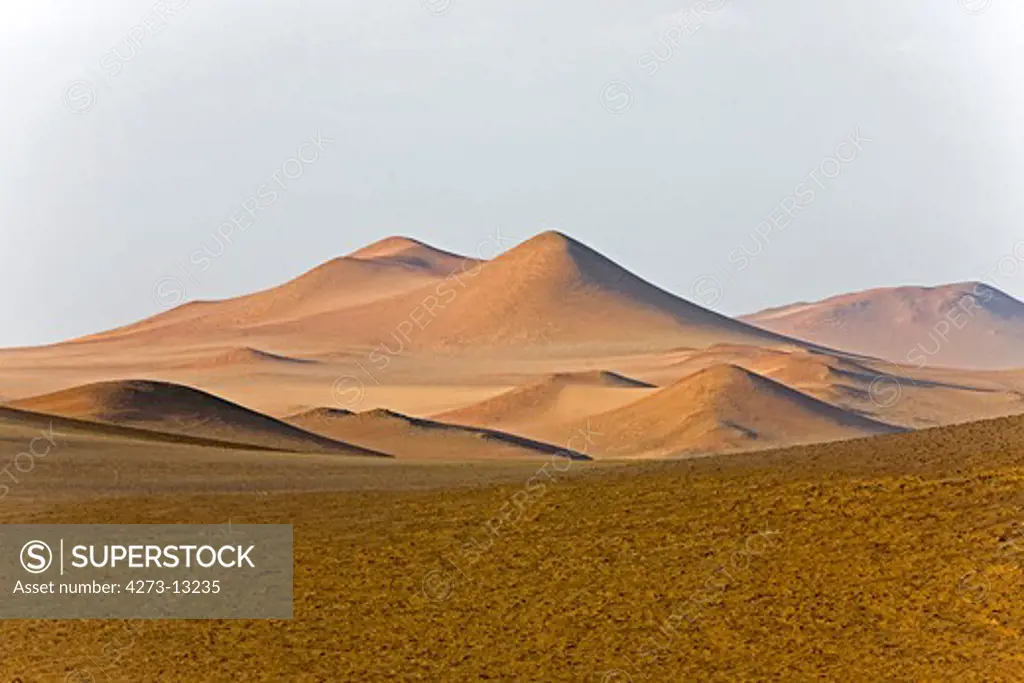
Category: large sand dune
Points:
column 175, row 409
column 380, row 271
column 723, row 408
column 967, row 325
column 553, row 290
column 550, row 292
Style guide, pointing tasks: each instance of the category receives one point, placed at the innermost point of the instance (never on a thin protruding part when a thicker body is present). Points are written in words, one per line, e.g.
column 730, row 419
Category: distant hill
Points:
column 967, row 325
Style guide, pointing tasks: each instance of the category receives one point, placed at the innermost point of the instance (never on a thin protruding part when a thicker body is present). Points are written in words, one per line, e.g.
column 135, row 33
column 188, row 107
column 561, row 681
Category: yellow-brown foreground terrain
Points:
column 894, row 558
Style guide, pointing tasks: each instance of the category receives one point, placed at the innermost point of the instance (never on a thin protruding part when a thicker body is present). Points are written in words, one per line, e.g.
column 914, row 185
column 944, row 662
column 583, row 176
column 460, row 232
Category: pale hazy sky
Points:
column 452, row 117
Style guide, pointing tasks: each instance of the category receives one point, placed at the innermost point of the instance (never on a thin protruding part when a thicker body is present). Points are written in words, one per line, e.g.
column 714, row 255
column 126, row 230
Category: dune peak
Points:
column 382, row 413
column 322, row 413
column 723, row 373
column 389, row 246
column 550, row 239
column 593, row 378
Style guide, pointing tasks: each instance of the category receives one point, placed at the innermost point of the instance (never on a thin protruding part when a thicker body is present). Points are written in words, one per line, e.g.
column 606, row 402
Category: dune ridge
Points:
column 410, row 438
column 176, row 409
column 244, row 356
column 546, row 400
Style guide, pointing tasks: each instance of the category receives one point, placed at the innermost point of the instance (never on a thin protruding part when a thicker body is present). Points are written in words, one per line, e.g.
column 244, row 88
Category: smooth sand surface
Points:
column 968, row 324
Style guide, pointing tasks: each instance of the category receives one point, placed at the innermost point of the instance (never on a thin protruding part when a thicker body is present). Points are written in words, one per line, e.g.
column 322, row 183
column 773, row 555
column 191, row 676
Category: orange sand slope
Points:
column 878, row 389
column 20, row 427
column 407, row 437
column 380, row 271
column 247, row 356
column 175, row 409
column 553, row 290
column 405, row 251
column 550, row 402
column 550, row 291
column 723, row 408
column 967, row 325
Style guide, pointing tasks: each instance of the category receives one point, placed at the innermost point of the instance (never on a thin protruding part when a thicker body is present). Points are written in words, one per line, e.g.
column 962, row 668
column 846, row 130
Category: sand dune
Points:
column 968, row 325
column 380, row 271
column 783, row 365
column 534, row 408
column 723, row 408
column 550, row 292
column 553, row 290
column 879, row 389
column 175, row 409
column 18, row 427
column 412, row 438
column 550, row 295
column 828, row 377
